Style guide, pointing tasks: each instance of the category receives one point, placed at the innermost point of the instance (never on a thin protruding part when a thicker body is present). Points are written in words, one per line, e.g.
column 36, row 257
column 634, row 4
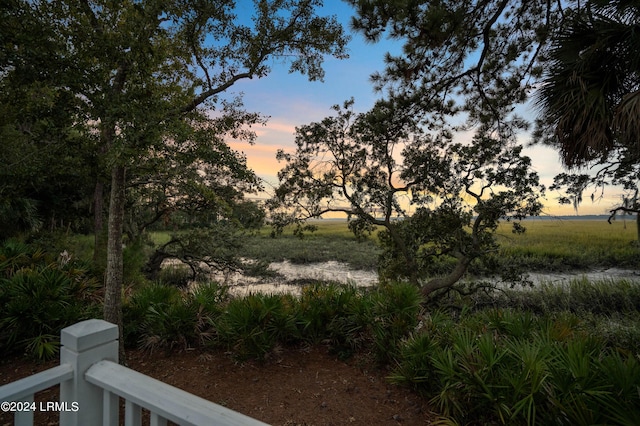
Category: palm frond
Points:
column 589, row 94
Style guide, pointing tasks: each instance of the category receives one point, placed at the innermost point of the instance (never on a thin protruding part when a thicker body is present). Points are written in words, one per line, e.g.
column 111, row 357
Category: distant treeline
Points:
column 577, row 217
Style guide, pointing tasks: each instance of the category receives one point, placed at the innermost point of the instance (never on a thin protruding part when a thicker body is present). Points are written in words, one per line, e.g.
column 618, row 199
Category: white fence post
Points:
column 84, row 344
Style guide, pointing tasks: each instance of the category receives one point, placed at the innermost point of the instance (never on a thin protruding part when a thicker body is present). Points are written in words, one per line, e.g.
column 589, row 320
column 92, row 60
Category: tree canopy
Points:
column 590, row 92
column 589, row 102
column 149, row 87
column 464, row 66
column 478, row 59
column 435, row 198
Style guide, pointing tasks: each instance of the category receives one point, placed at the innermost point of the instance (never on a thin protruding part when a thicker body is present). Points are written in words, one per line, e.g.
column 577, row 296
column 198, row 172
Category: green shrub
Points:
column 38, row 299
column 210, row 298
column 138, row 303
column 575, row 390
column 168, row 326
column 156, row 316
column 415, row 364
column 160, row 316
column 622, row 375
column 394, row 316
column 208, row 301
column 505, row 367
column 252, row 326
column 518, row 324
column 16, row 255
column 335, row 314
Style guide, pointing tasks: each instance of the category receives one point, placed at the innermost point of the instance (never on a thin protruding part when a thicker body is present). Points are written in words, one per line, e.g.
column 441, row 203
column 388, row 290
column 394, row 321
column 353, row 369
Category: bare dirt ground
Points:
column 295, row 387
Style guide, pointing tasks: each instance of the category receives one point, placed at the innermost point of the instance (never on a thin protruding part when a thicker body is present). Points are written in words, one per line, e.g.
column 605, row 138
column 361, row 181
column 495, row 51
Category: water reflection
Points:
column 292, row 277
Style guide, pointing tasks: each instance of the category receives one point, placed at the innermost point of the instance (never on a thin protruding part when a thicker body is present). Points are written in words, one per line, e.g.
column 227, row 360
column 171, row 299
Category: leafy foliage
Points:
column 346, row 319
column 256, row 326
column 159, row 316
column 590, row 93
column 200, row 249
column 507, row 367
column 394, row 315
column 47, row 163
column 252, row 326
column 378, row 166
column 39, row 296
column 589, row 103
column 472, row 60
column 466, row 65
column 140, row 90
column 334, row 314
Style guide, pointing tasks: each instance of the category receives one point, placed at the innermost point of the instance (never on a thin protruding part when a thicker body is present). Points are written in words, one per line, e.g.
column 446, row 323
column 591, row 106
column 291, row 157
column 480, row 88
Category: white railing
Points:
column 92, row 383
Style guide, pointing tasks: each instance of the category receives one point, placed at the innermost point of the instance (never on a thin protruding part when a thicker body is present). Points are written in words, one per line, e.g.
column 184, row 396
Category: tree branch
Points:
column 198, row 100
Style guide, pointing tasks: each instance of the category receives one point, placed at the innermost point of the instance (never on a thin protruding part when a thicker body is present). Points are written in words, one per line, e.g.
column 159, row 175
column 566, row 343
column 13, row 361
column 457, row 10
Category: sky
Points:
column 291, row 100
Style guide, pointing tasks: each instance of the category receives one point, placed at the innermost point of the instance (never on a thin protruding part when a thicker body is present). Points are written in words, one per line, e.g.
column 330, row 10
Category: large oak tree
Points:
column 464, row 66
column 151, row 81
column 437, row 200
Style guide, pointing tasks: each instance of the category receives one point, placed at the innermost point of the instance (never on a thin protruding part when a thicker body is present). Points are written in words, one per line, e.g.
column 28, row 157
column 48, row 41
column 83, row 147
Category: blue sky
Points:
column 291, row 100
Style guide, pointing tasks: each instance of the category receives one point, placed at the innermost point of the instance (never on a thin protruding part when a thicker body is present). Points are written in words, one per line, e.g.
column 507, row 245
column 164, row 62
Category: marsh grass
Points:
column 565, row 244
column 599, row 297
column 331, row 241
column 547, row 245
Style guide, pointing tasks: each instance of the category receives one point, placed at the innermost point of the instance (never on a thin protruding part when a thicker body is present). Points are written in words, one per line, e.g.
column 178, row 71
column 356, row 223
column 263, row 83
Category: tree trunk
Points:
column 409, row 258
column 449, row 280
column 98, row 224
column 114, row 272
column 98, row 206
column 154, row 265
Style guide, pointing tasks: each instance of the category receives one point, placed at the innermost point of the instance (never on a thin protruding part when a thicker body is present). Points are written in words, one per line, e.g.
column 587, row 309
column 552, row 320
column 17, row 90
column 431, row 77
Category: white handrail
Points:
column 164, row 400
column 26, row 388
column 16, row 391
column 91, row 381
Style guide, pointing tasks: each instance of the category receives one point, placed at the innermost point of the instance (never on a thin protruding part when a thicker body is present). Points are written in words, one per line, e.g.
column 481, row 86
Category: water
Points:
column 293, row 276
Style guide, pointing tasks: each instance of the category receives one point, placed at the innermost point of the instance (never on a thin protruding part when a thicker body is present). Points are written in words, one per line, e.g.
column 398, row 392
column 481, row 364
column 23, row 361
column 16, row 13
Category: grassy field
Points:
column 331, row 241
column 547, row 245
column 561, row 234
column 565, row 244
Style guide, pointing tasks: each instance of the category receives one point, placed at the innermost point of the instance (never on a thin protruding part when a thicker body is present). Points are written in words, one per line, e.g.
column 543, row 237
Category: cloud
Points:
column 274, row 131
column 261, row 158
